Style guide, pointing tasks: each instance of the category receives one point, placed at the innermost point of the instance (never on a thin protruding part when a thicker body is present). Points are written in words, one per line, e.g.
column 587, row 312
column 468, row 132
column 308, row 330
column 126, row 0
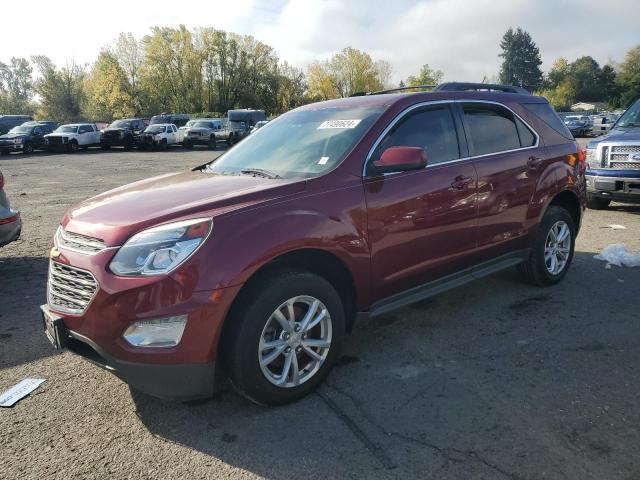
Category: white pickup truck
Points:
column 158, row 135
column 73, row 136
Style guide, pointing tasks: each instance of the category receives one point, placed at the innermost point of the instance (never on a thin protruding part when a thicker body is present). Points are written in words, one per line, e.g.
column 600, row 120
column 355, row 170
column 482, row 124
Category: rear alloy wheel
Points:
column 597, row 203
column 553, row 249
column 284, row 338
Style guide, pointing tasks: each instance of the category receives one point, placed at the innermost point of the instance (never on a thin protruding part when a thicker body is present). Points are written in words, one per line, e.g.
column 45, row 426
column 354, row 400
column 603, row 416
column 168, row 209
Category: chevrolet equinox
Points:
column 258, row 263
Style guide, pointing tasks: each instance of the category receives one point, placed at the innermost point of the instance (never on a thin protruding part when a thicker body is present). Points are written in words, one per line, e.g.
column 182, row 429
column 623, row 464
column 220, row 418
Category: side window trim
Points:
column 456, row 110
column 487, row 102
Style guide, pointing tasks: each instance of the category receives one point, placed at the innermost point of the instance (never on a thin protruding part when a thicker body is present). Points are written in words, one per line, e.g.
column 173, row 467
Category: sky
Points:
column 459, row 37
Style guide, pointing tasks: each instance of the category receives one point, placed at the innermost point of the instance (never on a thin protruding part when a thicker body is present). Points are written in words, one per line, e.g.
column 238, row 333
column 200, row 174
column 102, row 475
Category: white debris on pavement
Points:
column 615, row 226
column 618, row 255
column 16, row 393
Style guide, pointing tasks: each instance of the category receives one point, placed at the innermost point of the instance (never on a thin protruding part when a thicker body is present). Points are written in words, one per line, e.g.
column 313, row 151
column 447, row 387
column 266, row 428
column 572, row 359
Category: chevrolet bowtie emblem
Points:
column 54, row 253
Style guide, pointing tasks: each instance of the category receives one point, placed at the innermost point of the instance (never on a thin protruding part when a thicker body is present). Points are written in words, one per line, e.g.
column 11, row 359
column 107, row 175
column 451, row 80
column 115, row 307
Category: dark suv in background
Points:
column 25, row 138
column 259, row 263
column 122, row 133
column 178, row 119
column 7, row 122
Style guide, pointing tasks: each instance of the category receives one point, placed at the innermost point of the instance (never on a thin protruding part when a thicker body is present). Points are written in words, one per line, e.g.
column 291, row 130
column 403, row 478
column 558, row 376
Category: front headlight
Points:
column 160, row 250
column 592, row 158
column 18, row 141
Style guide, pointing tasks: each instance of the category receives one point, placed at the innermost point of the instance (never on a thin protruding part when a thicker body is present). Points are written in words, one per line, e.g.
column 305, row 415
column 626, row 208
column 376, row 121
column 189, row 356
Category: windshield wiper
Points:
column 630, row 124
column 261, row 172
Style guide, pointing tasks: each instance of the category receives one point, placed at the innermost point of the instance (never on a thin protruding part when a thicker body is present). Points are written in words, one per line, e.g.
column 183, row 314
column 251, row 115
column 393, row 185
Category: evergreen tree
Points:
column 521, row 60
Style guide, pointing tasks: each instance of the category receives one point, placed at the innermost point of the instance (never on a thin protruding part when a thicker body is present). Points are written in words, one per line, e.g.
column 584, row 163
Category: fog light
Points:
column 160, row 332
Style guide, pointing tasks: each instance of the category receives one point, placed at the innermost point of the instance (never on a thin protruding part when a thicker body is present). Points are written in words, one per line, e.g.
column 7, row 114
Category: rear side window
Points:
column 432, row 129
column 527, row 138
column 492, row 128
column 548, row 115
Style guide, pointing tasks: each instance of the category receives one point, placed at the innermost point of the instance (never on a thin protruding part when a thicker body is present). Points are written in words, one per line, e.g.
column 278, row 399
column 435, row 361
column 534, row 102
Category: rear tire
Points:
column 551, row 256
column 254, row 323
column 597, row 203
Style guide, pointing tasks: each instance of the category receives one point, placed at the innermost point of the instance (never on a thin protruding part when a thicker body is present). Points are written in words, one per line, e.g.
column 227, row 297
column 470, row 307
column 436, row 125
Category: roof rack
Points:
column 466, row 86
column 391, row 90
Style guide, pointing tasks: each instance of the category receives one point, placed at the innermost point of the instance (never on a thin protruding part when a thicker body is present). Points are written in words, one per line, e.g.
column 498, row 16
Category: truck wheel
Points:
column 597, row 203
column 552, row 250
column 230, row 140
column 163, row 144
column 73, row 146
column 128, row 144
column 106, row 147
column 284, row 339
column 212, row 142
column 28, row 148
column 187, row 145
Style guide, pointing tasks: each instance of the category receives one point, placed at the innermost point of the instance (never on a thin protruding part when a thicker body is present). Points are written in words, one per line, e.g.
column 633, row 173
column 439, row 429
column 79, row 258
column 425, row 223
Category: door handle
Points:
column 460, row 183
column 533, row 162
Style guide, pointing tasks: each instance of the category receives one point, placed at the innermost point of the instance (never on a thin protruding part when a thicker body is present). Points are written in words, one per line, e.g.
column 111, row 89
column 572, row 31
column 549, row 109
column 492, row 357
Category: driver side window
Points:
column 431, row 128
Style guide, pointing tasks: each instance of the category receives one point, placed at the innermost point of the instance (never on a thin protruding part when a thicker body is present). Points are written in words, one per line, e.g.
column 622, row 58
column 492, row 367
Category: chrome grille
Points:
column 70, row 290
column 625, row 149
column 632, row 165
column 80, row 243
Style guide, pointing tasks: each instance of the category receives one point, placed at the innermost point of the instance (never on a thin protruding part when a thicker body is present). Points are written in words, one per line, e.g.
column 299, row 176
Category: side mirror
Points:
column 401, row 159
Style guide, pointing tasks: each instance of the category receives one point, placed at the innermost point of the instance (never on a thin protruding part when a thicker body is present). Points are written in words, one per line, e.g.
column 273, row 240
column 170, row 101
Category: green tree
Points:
column 16, row 86
column 558, row 73
column 521, row 60
column 107, row 90
column 427, row 76
column 586, row 74
column 60, row 90
column 628, row 78
column 129, row 54
column 562, row 96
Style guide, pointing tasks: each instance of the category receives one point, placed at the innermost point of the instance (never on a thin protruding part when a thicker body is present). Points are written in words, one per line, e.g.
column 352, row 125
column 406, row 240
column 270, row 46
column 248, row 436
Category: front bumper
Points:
column 617, row 188
column 11, row 147
column 180, row 372
column 172, row 382
column 10, row 231
column 196, row 140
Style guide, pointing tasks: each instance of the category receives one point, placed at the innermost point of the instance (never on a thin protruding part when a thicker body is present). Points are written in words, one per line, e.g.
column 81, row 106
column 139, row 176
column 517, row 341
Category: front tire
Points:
column 597, row 203
column 284, row 338
column 73, row 146
column 212, row 143
column 28, row 148
column 553, row 249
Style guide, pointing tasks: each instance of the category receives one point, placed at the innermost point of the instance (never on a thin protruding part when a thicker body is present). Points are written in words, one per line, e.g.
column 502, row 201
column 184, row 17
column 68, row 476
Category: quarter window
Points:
column 432, row 129
column 492, row 129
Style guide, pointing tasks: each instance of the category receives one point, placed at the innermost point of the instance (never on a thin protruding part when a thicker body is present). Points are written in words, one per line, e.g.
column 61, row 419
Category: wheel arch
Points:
column 568, row 200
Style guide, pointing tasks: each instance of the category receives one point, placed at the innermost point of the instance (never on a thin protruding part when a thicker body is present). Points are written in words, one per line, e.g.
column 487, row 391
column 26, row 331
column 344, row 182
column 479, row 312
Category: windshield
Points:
column 155, row 129
column 20, row 130
column 201, row 125
column 630, row 118
column 67, row 129
column 159, row 119
column 121, row 124
column 305, row 143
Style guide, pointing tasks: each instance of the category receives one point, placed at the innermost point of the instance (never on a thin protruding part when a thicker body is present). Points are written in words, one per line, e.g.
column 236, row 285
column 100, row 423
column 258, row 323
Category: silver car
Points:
column 10, row 223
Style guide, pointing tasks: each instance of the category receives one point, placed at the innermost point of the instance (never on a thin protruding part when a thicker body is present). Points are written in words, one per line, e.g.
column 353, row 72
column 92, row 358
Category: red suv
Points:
column 260, row 261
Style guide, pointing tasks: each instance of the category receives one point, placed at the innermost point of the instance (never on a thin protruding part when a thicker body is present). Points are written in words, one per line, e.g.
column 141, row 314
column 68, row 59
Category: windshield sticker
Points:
column 339, row 124
column 323, row 161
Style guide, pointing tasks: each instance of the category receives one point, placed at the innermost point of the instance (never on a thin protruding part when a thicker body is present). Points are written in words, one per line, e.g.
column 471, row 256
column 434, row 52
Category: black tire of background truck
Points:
column 73, row 146
column 212, row 143
column 597, row 203
column 128, row 144
column 534, row 269
column 187, row 145
column 163, row 144
column 105, row 147
column 247, row 321
column 28, row 148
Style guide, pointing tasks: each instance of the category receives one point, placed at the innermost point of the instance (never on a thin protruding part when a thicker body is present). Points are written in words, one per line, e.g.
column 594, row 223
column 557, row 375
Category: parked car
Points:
column 260, row 261
column 241, row 121
column 577, row 126
column 178, row 119
column 73, row 136
column 7, row 122
column 613, row 172
column 10, row 222
column 205, row 131
column 49, row 123
column 122, row 133
column 602, row 123
column 25, row 138
column 258, row 125
column 159, row 135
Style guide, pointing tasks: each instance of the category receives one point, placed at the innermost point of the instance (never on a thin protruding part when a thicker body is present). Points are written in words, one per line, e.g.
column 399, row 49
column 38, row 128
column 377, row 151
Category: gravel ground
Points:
column 492, row 380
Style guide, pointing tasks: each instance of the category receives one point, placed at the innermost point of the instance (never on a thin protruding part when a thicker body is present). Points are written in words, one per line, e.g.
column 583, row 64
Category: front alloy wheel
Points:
column 295, row 341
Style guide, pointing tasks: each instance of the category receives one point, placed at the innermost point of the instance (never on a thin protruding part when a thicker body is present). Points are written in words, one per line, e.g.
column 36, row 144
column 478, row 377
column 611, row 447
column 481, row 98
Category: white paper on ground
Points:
column 10, row 397
column 615, row 226
column 618, row 255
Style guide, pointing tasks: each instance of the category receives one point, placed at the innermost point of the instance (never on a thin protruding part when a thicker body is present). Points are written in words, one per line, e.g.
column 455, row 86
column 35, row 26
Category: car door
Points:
column 508, row 160
column 37, row 139
column 421, row 223
column 171, row 134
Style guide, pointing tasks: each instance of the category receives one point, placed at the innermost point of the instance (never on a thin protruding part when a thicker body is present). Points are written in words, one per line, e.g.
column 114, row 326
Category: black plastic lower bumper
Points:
column 172, row 382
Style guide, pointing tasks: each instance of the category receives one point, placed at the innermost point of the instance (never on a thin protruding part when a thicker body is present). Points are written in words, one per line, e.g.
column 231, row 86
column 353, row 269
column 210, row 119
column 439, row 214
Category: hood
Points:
column 13, row 136
column 60, row 134
column 117, row 214
column 626, row 134
column 114, row 129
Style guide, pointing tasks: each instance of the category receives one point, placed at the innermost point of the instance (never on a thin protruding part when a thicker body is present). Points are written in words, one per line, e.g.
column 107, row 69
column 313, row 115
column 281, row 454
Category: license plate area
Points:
column 54, row 328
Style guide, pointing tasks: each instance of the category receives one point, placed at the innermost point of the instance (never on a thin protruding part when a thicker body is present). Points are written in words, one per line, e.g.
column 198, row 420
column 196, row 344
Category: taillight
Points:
column 582, row 158
column 1, row 180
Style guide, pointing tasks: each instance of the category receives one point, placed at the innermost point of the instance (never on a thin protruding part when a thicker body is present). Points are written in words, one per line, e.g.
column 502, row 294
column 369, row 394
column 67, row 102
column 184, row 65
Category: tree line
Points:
column 566, row 83
column 206, row 71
